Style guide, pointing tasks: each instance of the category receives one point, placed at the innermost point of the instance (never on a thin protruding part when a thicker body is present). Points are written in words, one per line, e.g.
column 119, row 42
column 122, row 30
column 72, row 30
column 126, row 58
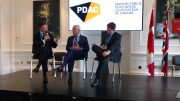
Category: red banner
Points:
column 176, row 26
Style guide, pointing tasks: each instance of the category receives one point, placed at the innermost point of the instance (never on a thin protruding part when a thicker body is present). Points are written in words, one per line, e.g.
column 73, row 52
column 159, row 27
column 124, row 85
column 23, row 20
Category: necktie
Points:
column 107, row 40
column 42, row 34
column 75, row 40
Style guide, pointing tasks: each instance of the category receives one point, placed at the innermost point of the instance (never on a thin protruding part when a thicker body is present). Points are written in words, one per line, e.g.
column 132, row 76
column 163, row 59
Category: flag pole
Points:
column 165, row 46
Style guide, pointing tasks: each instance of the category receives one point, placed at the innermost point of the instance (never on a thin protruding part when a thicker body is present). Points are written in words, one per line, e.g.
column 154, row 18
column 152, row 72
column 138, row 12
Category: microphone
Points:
column 46, row 34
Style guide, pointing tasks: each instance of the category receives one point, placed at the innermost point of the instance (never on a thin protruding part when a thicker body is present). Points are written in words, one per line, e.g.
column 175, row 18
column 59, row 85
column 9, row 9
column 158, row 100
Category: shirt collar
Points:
column 112, row 34
column 78, row 35
column 41, row 32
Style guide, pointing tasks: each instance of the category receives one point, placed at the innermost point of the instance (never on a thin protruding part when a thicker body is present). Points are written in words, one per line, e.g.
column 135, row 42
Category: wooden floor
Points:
column 131, row 87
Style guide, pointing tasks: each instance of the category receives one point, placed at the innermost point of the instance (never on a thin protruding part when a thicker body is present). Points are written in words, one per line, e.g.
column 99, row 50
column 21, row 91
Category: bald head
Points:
column 76, row 29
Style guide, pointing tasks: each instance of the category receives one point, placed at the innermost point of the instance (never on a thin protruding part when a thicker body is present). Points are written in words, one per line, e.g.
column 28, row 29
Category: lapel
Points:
column 79, row 39
column 112, row 38
column 40, row 36
column 71, row 40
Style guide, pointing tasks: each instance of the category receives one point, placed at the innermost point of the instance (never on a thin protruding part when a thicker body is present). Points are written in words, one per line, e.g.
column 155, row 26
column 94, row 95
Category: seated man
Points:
column 43, row 42
column 77, row 47
column 108, row 50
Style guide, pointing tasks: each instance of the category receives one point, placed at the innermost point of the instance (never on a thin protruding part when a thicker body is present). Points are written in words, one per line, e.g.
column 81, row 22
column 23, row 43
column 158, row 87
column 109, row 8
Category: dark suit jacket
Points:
column 114, row 45
column 83, row 43
column 38, row 43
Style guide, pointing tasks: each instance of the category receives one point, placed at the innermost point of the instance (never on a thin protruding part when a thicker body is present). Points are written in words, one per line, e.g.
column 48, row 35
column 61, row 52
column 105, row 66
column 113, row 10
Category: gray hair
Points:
column 76, row 26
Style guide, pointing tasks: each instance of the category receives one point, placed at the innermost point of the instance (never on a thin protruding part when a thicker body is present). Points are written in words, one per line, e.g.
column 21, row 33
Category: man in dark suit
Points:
column 109, row 49
column 43, row 42
column 77, row 47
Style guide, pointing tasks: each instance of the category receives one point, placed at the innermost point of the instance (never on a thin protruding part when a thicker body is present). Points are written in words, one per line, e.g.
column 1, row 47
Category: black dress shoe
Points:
column 59, row 69
column 95, row 82
column 36, row 70
column 45, row 80
column 70, row 81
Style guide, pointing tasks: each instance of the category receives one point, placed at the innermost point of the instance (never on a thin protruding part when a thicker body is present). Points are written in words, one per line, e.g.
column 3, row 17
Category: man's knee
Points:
column 94, row 48
column 106, row 60
column 71, row 52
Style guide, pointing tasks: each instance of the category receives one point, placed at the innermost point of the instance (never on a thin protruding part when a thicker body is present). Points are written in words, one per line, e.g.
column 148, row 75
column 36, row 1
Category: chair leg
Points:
column 119, row 71
column 84, row 69
column 172, row 71
column 53, row 71
column 31, row 70
column 113, row 73
column 65, row 70
column 61, row 73
column 92, row 69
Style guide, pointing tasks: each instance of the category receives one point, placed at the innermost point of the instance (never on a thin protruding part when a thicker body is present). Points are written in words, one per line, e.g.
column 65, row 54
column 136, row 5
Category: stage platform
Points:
column 18, row 87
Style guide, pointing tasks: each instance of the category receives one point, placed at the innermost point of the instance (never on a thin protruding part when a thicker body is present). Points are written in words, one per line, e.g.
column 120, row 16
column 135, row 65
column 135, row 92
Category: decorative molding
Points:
column 0, row 24
column 21, row 35
column 140, row 37
column 22, row 23
column 22, row 27
column 0, row 37
column 144, row 44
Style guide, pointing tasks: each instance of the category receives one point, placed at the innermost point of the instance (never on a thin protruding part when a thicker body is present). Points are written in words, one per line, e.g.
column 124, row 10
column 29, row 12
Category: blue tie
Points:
column 107, row 40
column 42, row 34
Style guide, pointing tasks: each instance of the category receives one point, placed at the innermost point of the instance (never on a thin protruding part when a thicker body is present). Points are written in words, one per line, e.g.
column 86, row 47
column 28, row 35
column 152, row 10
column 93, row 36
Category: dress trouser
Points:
column 103, row 61
column 43, row 54
column 71, row 56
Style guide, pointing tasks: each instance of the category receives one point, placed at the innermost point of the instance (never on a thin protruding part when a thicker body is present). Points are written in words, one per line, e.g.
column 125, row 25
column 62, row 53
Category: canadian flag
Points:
column 150, row 45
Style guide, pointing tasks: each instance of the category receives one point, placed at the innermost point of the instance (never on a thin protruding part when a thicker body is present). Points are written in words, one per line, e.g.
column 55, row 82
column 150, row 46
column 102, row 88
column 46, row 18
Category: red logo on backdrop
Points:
column 176, row 26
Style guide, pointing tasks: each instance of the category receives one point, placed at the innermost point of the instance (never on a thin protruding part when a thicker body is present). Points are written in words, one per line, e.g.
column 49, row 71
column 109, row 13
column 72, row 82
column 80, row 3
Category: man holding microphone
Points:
column 43, row 42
